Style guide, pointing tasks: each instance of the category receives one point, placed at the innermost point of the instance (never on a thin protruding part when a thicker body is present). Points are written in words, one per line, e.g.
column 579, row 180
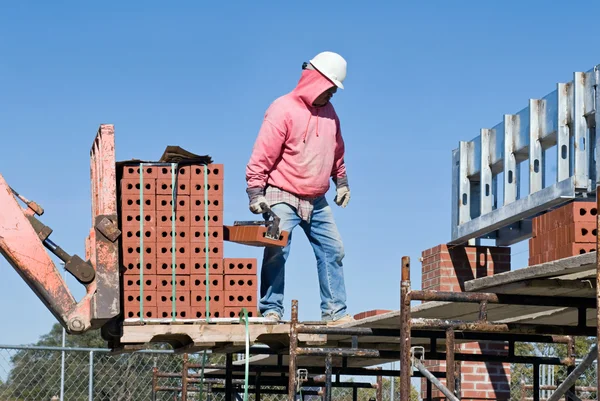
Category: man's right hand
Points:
column 257, row 198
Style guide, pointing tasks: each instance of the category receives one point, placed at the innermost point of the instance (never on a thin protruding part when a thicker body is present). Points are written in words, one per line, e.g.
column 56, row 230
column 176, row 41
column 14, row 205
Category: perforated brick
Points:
column 131, row 233
column 165, row 283
column 253, row 236
column 164, row 266
column 132, row 186
column 132, row 298
column 199, row 312
column 213, row 188
column 214, row 218
column 132, row 202
column 165, row 218
column 245, row 299
column 165, row 203
column 213, row 203
column 165, row 234
column 133, row 172
column 165, row 298
column 164, row 249
column 240, row 283
column 130, row 268
column 216, row 298
column 237, row 266
column 150, row 312
column 198, row 234
column 131, row 256
column 199, row 267
column 132, row 217
column 164, row 186
column 213, row 172
column 199, row 251
column 198, row 282
column 132, row 283
column 235, row 312
column 182, row 312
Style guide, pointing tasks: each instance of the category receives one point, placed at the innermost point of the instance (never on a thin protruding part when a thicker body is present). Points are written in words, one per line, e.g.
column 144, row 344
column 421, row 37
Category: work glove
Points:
column 343, row 196
column 257, row 199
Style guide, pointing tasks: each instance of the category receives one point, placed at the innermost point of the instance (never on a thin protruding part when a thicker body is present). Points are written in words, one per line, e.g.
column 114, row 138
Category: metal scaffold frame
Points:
column 489, row 197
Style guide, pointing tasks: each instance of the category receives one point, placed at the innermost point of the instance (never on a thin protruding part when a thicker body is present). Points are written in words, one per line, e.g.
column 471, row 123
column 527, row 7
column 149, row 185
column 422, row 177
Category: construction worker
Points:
column 298, row 149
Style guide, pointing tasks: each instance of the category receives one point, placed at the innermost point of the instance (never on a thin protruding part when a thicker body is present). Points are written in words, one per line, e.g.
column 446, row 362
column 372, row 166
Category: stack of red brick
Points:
column 147, row 226
column 567, row 231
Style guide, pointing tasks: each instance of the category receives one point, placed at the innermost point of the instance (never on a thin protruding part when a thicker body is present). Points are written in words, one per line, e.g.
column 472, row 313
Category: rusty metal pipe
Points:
column 339, row 352
column 534, row 338
column 405, row 330
column 504, row 299
column 434, row 381
column 184, row 378
column 450, row 379
column 293, row 352
column 514, row 328
column 379, row 393
column 328, row 374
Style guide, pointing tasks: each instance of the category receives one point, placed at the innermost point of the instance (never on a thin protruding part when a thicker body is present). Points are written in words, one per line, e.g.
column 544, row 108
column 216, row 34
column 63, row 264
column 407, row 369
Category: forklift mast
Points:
column 24, row 242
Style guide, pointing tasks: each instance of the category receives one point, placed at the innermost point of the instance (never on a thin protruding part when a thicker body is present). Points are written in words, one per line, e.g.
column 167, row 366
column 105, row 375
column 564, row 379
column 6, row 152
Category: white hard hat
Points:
column 332, row 65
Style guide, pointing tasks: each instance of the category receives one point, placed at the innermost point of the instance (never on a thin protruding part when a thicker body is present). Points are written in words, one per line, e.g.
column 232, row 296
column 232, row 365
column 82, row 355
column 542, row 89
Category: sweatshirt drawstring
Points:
column 306, row 130
column 308, row 123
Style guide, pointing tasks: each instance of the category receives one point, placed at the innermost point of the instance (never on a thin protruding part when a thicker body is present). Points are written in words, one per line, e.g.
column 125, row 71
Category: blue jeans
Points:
column 329, row 251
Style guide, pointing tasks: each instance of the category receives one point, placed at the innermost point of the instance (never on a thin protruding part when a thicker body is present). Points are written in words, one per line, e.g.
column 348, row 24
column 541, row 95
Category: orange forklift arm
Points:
column 24, row 242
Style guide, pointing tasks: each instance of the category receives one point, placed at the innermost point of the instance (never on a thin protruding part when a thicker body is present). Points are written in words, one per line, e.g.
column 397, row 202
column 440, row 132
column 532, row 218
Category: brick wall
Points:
column 447, row 269
column 566, row 231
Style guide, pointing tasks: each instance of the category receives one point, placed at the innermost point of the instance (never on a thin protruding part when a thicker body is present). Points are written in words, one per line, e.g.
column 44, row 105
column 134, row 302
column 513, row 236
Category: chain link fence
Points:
column 29, row 373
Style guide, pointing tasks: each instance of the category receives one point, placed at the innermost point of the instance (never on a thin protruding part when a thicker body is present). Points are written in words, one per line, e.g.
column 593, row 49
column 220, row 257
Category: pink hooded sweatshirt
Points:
column 299, row 146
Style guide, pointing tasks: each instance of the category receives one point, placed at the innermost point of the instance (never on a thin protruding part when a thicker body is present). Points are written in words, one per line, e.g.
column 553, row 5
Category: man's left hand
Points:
column 343, row 196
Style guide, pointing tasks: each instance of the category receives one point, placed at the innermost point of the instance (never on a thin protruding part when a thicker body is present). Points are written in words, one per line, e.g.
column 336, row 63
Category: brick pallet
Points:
column 148, row 230
column 567, row 231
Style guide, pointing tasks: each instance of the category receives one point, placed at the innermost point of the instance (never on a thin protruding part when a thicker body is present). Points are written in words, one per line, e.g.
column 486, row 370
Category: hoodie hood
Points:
column 311, row 84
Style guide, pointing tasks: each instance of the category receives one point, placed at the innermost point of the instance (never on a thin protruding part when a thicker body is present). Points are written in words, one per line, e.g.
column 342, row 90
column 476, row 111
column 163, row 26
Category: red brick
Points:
column 252, row 236
column 370, row 313
column 164, row 249
column 133, row 172
column 132, row 283
column 183, row 312
column 199, row 267
column 164, row 186
column 235, row 312
column 132, row 186
column 199, row 251
column 214, row 203
column 132, row 298
column 131, row 254
column 216, row 298
column 164, row 266
column 165, row 218
column 132, row 233
column 165, row 283
column 132, row 217
column 198, row 218
column 215, row 172
column 240, row 282
column 130, row 268
column 198, row 282
column 131, row 312
column 165, row 234
column 199, row 312
column 182, row 298
column 239, row 266
column 243, row 299
column 131, row 201
column 213, row 188
column 165, row 203
column 197, row 234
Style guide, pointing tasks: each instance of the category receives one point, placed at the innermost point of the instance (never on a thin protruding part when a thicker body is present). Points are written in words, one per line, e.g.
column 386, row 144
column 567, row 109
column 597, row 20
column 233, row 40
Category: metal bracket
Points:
column 302, row 375
column 271, row 222
column 108, row 228
column 417, row 354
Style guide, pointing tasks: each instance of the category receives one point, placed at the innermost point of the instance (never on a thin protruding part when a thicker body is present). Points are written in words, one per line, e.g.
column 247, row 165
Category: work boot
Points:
column 343, row 320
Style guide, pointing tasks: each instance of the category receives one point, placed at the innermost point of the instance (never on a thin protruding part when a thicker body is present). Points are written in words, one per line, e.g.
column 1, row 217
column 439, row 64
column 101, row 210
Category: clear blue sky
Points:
column 421, row 77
